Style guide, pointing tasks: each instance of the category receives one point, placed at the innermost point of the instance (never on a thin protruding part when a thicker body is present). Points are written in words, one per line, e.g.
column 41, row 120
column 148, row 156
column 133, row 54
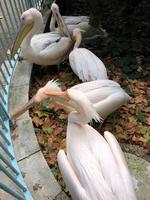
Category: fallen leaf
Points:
column 47, row 129
column 38, row 122
column 14, row 136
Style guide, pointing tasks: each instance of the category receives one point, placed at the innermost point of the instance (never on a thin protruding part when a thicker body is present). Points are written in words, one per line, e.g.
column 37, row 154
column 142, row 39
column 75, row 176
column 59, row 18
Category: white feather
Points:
column 85, row 110
column 53, row 85
column 86, row 65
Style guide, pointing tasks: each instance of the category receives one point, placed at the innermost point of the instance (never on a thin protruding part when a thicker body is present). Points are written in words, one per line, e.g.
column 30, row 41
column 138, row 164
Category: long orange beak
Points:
column 32, row 102
column 63, row 99
column 57, row 94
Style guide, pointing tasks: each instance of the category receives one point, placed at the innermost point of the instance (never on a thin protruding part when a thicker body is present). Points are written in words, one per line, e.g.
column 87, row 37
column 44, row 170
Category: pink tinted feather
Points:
column 70, row 178
column 86, row 65
column 122, row 165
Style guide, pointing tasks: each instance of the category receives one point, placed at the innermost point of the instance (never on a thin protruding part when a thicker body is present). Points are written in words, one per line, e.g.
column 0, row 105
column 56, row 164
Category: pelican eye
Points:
column 58, row 40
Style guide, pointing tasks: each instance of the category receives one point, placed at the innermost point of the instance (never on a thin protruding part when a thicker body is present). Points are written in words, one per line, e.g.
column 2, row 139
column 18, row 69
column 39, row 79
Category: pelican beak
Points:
column 64, row 31
column 22, row 110
column 62, row 99
column 57, row 94
column 23, row 31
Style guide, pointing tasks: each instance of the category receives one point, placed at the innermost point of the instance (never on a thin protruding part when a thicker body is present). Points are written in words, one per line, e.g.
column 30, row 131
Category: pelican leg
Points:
column 122, row 165
column 58, row 68
column 70, row 178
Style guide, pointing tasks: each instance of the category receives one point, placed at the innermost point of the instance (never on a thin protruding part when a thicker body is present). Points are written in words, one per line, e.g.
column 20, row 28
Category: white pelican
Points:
column 86, row 65
column 94, row 168
column 45, row 48
column 72, row 22
column 81, row 22
column 105, row 95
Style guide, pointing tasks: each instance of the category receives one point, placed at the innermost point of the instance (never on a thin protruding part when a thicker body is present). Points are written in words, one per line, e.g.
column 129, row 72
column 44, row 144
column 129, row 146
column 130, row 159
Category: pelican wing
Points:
column 74, row 20
column 80, row 142
column 111, row 103
column 93, row 85
column 122, row 165
column 86, row 65
column 70, row 178
column 42, row 41
column 105, row 95
column 59, row 49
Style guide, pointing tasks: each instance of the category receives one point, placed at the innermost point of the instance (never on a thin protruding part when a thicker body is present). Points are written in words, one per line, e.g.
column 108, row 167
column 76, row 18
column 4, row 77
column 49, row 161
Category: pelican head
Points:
column 30, row 19
column 51, row 89
column 70, row 100
column 64, row 31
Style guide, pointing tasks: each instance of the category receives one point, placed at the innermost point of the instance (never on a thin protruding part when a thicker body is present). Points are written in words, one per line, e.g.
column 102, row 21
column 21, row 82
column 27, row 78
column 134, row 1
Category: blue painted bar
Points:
column 6, row 150
column 6, row 67
column 3, row 124
column 20, row 7
column 10, row 191
column 31, row 3
column 2, row 98
column 8, row 163
column 16, row 8
column 7, row 173
column 23, row 6
column 4, row 114
column 2, row 87
column 14, row 16
column 4, row 137
column 10, row 17
column 4, row 77
column 6, row 22
column 3, row 45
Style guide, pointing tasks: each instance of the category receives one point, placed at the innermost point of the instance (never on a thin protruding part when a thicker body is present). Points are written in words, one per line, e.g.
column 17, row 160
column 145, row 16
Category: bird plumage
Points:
column 86, row 65
column 89, row 158
column 44, row 48
column 94, row 167
column 105, row 95
column 72, row 22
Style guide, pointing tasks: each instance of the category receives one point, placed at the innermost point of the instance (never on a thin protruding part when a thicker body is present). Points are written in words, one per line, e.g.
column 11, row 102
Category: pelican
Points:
column 86, row 65
column 81, row 22
column 72, row 22
column 105, row 95
column 45, row 48
column 86, row 168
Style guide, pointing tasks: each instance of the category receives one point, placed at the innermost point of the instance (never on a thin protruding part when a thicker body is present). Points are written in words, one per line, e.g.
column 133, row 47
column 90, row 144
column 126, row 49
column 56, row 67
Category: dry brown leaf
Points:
column 14, row 136
column 58, row 131
column 139, row 99
column 63, row 116
column 37, row 121
column 50, row 141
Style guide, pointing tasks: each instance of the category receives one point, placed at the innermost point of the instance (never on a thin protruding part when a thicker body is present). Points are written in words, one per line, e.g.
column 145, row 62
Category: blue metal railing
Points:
column 10, row 12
